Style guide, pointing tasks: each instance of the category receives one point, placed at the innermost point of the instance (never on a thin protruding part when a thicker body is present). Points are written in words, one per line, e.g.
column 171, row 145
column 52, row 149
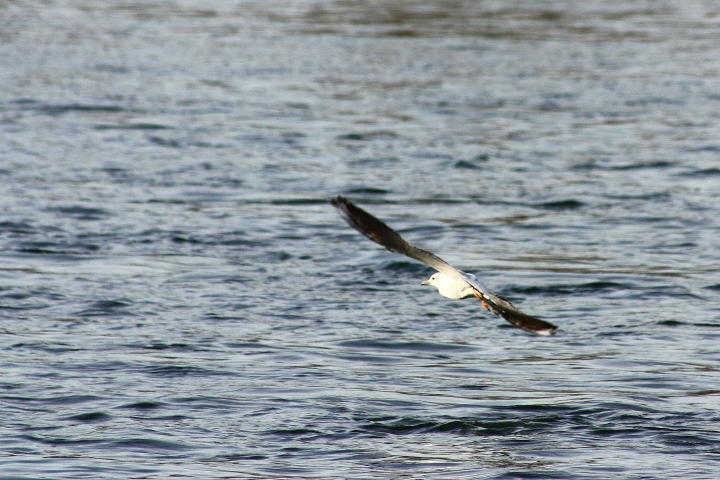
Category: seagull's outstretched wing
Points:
column 379, row 232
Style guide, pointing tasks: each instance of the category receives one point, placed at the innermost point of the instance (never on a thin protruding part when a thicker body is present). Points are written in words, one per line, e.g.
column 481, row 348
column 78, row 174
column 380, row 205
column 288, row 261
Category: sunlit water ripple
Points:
column 179, row 298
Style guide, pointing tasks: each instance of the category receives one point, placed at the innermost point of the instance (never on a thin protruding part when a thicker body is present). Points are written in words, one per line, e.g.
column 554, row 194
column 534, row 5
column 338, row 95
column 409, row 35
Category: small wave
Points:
column 466, row 165
column 91, row 417
column 81, row 213
column 168, row 346
column 405, row 346
column 63, row 441
column 170, row 371
column 56, row 110
column 560, row 205
column 365, row 136
column 165, row 142
column 629, row 166
column 414, row 268
column 17, row 227
column 406, row 426
column 133, row 126
column 706, row 172
column 145, row 405
column 299, row 201
column 148, row 444
column 234, row 457
column 568, row 289
column 366, row 191
column 50, row 248
column 105, row 307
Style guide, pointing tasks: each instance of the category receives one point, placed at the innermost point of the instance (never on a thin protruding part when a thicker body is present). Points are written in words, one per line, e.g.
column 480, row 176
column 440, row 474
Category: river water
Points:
column 178, row 297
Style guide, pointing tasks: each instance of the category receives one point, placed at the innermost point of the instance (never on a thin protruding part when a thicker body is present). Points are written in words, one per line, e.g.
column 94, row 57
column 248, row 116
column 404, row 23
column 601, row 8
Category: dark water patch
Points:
column 47, row 347
column 706, row 172
column 486, row 427
column 106, row 307
column 184, row 239
column 650, row 196
column 161, row 418
column 117, row 173
column 366, row 191
column 299, row 201
column 429, row 231
column 715, row 287
column 80, row 213
column 57, row 249
column 560, row 205
column 466, row 165
column 225, row 181
column 670, row 323
column 56, row 110
column 165, row 142
column 276, row 257
column 708, row 325
column 643, row 166
column 536, row 408
column 147, row 444
column 590, row 288
column 59, row 441
column 374, row 162
column 368, row 359
column 430, row 347
column 168, row 346
column 680, row 440
column 705, row 148
column 109, row 68
column 170, row 201
column 408, row 425
column 21, row 228
column 413, row 268
column 295, row 432
column 702, row 393
column 133, row 126
column 144, row 405
column 473, row 387
column 610, row 410
column 250, row 346
column 63, row 399
column 366, row 136
column 172, row 371
column 627, row 167
column 646, row 101
column 664, row 291
column 236, row 457
column 91, row 417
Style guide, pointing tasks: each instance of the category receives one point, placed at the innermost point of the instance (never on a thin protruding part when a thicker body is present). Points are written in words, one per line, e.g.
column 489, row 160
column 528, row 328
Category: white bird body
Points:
column 450, row 286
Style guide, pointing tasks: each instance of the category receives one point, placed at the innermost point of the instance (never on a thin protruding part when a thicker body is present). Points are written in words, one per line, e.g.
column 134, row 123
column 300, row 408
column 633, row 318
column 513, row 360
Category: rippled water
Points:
column 177, row 296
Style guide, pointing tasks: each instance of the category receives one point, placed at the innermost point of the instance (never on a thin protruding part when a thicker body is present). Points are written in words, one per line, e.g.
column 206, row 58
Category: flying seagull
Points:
column 450, row 282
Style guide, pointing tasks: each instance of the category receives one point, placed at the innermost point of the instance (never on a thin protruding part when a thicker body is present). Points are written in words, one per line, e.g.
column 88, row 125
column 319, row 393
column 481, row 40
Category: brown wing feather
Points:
column 377, row 231
column 509, row 312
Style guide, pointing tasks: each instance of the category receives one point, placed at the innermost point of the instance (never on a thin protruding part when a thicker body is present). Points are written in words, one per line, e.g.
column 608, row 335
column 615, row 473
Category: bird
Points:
column 449, row 281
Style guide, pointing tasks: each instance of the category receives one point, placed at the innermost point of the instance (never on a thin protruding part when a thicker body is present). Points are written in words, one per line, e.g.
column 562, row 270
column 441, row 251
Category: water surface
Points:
column 178, row 297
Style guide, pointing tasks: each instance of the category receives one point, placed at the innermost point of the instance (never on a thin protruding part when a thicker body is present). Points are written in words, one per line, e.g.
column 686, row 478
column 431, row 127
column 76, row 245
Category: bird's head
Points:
column 433, row 280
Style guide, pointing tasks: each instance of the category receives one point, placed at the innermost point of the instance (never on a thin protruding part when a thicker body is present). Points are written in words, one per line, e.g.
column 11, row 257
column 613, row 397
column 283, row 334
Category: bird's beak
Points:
column 426, row 282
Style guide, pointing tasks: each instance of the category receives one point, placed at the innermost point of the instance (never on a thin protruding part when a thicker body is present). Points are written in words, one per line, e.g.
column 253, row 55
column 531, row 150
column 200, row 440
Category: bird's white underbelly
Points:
column 454, row 288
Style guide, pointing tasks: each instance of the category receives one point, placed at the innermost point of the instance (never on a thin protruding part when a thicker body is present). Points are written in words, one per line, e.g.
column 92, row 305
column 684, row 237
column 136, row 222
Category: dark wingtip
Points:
column 336, row 201
column 529, row 323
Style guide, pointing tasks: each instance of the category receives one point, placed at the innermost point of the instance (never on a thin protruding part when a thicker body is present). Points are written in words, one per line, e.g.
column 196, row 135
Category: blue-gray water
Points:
column 178, row 297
